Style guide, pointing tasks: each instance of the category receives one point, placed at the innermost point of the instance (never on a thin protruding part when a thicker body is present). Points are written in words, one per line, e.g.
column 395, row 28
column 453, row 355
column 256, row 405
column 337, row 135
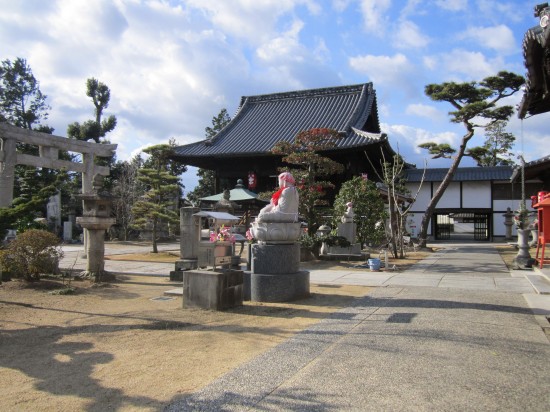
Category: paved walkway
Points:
column 456, row 332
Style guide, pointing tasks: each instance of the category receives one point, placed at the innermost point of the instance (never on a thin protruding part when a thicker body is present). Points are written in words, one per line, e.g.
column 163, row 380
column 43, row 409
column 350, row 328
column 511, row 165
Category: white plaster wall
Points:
column 451, row 197
column 476, row 194
column 413, row 224
column 423, row 197
column 499, row 207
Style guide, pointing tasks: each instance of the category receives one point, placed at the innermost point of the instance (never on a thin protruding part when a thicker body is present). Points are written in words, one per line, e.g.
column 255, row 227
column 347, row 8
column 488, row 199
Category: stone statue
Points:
column 225, row 205
column 278, row 221
column 348, row 214
column 284, row 203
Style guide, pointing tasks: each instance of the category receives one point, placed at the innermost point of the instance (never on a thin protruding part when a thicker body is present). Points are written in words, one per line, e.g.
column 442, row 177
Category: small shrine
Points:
column 208, row 265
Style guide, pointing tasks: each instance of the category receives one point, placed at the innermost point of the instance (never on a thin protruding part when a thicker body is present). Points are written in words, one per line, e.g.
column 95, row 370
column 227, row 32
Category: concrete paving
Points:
column 456, row 332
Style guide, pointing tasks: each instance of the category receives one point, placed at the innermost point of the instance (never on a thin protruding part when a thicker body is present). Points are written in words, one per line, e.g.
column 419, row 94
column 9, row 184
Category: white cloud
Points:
column 340, row 5
column 423, row 110
column 286, row 46
column 408, row 35
column 463, row 65
column 406, row 139
column 374, row 17
column 389, row 70
column 498, row 10
column 414, row 136
column 253, row 21
column 430, row 62
column 499, row 38
column 452, row 5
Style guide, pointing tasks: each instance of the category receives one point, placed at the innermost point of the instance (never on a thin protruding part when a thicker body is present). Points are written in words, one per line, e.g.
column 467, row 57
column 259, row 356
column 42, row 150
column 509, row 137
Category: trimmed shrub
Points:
column 31, row 254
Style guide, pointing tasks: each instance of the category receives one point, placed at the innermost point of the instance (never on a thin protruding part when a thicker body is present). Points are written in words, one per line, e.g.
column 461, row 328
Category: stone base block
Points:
column 176, row 275
column 187, row 264
column 354, row 249
column 275, row 259
column 215, row 290
column 279, row 288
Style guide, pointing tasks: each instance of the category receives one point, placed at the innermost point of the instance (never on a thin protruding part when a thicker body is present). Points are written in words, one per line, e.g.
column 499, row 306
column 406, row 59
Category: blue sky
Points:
column 172, row 65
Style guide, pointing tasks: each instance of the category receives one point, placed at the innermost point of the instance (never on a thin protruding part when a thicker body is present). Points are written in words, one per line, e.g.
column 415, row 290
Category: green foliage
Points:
column 309, row 242
column 496, row 149
column 368, row 207
column 21, row 101
column 218, row 123
column 20, row 211
column 159, row 203
column 310, row 168
column 31, row 254
column 476, row 107
column 94, row 129
column 334, row 240
column 443, row 150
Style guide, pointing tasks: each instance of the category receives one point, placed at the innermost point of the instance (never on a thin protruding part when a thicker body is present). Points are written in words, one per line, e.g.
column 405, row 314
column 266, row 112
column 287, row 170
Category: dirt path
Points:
column 117, row 347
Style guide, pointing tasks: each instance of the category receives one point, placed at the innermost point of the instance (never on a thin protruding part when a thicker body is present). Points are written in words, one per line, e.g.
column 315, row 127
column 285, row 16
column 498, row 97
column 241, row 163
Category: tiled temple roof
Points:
column 261, row 121
column 462, row 174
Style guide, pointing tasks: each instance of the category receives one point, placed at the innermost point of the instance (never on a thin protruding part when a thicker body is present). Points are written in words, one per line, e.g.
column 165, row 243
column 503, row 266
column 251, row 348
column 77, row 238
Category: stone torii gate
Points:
column 49, row 146
column 96, row 219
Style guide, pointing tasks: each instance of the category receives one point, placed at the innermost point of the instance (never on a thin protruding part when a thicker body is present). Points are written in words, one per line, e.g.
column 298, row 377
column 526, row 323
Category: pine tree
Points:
column 496, row 149
column 159, row 203
column 475, row 104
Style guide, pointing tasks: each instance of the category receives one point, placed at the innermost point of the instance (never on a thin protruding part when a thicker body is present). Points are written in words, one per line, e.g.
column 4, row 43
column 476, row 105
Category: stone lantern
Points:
column 96, row 220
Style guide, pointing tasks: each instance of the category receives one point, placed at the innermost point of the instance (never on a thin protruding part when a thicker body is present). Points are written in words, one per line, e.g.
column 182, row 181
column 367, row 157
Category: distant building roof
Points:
column 261, row 121
column 462, row 174
column 238, row 194
column 533, row 169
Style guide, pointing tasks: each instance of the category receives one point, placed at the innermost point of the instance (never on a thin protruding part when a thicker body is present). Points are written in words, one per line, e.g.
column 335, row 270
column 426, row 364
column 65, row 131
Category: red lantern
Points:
column 251, row 180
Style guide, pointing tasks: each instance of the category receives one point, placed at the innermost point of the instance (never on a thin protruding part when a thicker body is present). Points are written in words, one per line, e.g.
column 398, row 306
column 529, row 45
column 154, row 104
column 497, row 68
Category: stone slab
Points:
column 540, row 283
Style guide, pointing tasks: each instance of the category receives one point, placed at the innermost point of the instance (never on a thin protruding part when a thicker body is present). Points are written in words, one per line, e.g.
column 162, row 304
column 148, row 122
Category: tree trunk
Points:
column 154, row 235
column 423, row 235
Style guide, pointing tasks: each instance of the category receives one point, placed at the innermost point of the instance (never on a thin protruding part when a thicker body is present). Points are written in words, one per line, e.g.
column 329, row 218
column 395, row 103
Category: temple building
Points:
column 241, row 150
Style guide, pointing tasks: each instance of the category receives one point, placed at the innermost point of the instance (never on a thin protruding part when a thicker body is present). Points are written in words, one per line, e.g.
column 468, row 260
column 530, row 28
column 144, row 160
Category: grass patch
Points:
column 64, row 291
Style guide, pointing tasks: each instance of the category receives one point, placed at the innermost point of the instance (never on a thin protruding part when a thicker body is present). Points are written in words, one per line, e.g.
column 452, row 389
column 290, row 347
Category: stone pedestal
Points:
column 189, row 243
column 95, row 245
column 214, row 290
column 276, row 275
column 276, row 232
column 348, row 230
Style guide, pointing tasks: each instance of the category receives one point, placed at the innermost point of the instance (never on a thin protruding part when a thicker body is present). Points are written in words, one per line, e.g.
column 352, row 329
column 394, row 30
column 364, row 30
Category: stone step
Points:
column 540, row 283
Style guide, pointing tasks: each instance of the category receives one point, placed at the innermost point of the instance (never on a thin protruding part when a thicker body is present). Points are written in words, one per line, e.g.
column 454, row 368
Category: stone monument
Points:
column 347, row 229
column 276, row 274
column 225, row 204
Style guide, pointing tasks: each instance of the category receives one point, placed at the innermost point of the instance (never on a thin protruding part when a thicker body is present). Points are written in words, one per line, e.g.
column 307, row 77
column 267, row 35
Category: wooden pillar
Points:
column 8, row 159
